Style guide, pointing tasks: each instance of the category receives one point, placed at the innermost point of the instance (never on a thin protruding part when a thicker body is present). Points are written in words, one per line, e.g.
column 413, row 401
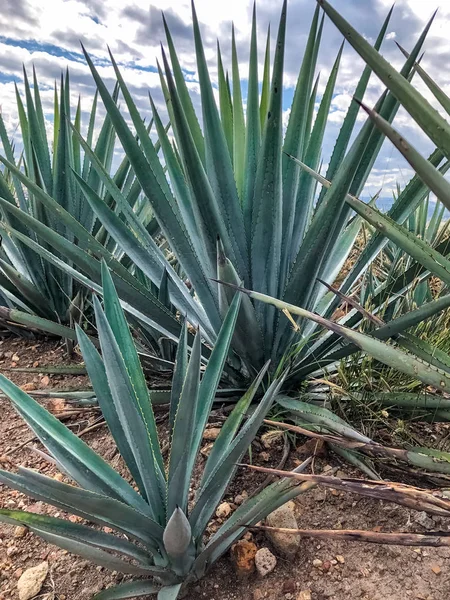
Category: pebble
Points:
column 211, row 434
column 265, row 561
column 289, row 586
column 340, row 558
column 31, row 581
column 286, row 543
column 436, row 569
column 317, row 563
column 20, row 531
column 243, row 556
column 424, row 520
column 304, row 595
column 241, row 498
column 223, row 510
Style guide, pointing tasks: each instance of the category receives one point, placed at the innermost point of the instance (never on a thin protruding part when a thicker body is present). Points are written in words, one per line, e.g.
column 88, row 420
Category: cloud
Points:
column 47, row 35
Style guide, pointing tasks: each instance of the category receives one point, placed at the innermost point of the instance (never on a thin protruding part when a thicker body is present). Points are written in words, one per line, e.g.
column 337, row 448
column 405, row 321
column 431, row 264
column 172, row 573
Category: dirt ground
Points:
column 348, row 570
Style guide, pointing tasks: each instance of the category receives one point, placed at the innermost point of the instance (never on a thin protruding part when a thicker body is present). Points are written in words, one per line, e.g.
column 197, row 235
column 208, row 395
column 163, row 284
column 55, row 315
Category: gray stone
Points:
column 265, row 561
column 284, row 517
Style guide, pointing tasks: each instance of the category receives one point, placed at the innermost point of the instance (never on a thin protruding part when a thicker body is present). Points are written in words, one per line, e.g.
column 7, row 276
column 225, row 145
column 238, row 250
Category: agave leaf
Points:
column 146, row 255
column 253, row 128
column 231, row 425
column 177, row 534
column 205, row 202
column 211, row 378
column 248, row 346
column 218, row 161
column 435, row 126
column 426, row 171
column 212, row 489
column 249, row 513
column 178, row 180
column 265, row 90
column 238, row 120
column 182, row 446
column 184, row 96
column 348, row 125
column 131, row 589
column 85, row 541
column 385, row 353
column 226, row 108
column 304, row 197
column 130, row 395
column 179, row 374
column 267, row 199
column 163, row 205
column 170, row 592
column 321, row 416
column 88, row 505
column 83, row 464
column 295, row 139
column 97, row 374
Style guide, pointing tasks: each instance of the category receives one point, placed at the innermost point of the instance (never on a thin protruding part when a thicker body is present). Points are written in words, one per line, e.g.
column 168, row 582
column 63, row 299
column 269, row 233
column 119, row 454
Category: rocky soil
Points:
column 303, row 569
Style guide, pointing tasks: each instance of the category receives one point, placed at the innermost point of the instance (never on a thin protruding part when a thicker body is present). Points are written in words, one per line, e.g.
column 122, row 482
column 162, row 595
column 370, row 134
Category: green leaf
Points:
column 130, row 589
column 435, row 126
column 129, row 392
column 238, row 120
column 267, row 199
column 179, row 374
column 104, row 511
column 78, row 460
column 218, row 162
column 231, row 425
column 212, row 490
column 253, row 129
column 226, row 108
column 185, row 424
column 85, row 541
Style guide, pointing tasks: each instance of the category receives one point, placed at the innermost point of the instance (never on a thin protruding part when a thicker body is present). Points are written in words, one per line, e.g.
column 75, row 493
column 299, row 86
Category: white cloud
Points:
column 47, row 35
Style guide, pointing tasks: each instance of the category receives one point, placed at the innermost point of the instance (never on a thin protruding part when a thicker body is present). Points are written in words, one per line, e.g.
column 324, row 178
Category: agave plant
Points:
column 159, row 529
column 236, row 201
column 163, row 526
column 229, row 201
column 37, row 293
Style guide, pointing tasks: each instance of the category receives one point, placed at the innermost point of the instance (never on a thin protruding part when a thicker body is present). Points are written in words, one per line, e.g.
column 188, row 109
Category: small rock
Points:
column 20, row 531
column 340, row 558
column 15, row 358
column 241, row 498
column 223, row 510
column 212, row 433
column 270, row 438
column 206, row 450
column 284, row 517
column 304, row 595
column 436, row 569
column 45, row 381
column 317, row 563
column 243, row 556
column 27, row 387
column 424, row 520
column 326, row 566
column 289, row 586
column 265, row 561
column 57, row 405
column 31, row 581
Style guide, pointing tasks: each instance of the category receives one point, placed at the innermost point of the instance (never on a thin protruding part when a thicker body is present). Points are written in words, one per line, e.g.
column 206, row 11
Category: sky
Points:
column 47, row 34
